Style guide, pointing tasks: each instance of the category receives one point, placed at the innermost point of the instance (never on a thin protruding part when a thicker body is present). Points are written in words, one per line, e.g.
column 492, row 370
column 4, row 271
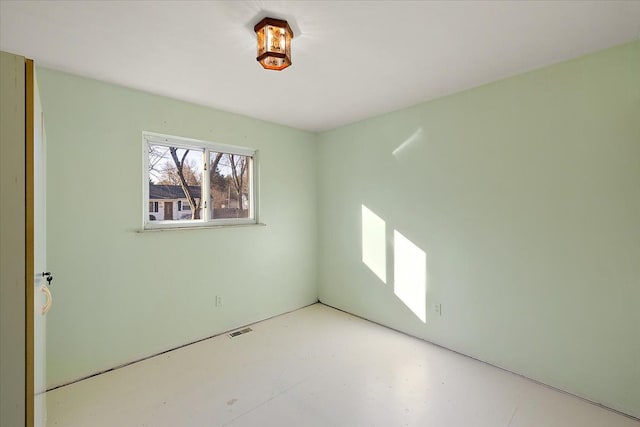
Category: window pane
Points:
column 175, row 177
column 229, row 185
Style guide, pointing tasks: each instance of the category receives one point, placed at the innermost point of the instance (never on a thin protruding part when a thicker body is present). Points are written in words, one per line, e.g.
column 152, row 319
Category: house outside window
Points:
column 191, row 183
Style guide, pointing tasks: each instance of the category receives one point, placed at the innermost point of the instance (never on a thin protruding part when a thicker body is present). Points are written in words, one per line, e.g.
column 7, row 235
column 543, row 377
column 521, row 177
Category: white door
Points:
column 43, row 278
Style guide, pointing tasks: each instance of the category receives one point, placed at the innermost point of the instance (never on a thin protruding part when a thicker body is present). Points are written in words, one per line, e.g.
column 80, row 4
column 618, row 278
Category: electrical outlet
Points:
column 438, row 308
column 218, row 300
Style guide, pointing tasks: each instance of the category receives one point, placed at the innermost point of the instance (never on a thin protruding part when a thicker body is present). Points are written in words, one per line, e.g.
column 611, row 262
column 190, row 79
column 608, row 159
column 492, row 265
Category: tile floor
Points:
column 318, row 367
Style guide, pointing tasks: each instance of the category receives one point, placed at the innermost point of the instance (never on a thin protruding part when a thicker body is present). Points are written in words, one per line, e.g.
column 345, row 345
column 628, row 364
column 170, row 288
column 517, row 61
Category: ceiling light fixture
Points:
column 274, row 43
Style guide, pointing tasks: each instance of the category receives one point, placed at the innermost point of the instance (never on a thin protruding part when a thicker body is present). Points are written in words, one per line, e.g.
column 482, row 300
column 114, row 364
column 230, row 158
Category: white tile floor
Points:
column 318, row 367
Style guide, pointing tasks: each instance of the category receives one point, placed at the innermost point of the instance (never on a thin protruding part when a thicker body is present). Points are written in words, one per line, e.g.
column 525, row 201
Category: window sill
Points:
column 200, row 227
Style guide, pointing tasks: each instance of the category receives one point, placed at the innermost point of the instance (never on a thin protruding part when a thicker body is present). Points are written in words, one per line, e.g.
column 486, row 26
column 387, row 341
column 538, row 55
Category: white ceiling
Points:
column 351, row 59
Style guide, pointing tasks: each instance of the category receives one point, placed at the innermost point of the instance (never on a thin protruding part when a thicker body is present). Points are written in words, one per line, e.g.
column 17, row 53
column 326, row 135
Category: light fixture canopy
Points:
column 274, row 43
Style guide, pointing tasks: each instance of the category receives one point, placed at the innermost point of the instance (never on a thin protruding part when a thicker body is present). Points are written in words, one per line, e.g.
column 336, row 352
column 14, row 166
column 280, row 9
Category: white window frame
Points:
column 152, row 138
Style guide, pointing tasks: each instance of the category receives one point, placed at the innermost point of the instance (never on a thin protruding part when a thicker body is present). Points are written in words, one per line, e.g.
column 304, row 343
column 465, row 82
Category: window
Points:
column 190, row 183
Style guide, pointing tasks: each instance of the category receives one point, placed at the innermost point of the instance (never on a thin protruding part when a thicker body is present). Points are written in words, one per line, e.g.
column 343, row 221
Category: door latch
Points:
column 49, row 277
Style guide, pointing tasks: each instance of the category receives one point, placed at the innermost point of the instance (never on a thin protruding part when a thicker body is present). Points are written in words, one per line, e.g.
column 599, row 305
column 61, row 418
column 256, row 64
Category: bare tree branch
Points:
column 238, row 179
column 214, row 166
column 195, row 208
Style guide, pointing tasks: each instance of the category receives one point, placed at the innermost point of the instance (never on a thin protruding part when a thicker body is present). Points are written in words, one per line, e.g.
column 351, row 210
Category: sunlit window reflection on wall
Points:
column 374, row 253
column 415, row 137
column 410, row 275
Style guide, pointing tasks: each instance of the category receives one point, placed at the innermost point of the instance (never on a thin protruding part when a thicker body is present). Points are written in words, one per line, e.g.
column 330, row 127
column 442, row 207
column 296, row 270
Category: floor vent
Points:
column 240, row 332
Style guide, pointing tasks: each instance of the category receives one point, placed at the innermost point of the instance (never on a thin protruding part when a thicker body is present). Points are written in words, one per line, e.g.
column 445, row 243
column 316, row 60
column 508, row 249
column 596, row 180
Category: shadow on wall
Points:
column 409, row 263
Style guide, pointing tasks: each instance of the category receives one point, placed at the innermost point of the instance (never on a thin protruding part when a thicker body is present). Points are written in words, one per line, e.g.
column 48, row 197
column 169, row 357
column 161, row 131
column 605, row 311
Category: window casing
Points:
column 234, row 180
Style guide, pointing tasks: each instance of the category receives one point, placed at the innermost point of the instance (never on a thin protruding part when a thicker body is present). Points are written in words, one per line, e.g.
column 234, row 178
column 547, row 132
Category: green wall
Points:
column 524, row 195
column 120, row 295
column 13, row 242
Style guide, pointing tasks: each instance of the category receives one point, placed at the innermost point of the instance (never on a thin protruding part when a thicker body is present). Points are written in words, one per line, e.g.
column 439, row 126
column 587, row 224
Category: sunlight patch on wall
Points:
column 374, row 248
column 410, row 275
column 416, row 136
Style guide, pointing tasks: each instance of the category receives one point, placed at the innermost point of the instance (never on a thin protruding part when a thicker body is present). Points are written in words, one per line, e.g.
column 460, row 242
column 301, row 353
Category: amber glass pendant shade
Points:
column 274, row 43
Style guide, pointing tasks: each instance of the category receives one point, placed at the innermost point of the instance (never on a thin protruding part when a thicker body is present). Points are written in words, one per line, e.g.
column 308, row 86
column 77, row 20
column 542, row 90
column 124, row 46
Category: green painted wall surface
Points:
column 120, row 295
column 13, row 242
column 524, row 195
